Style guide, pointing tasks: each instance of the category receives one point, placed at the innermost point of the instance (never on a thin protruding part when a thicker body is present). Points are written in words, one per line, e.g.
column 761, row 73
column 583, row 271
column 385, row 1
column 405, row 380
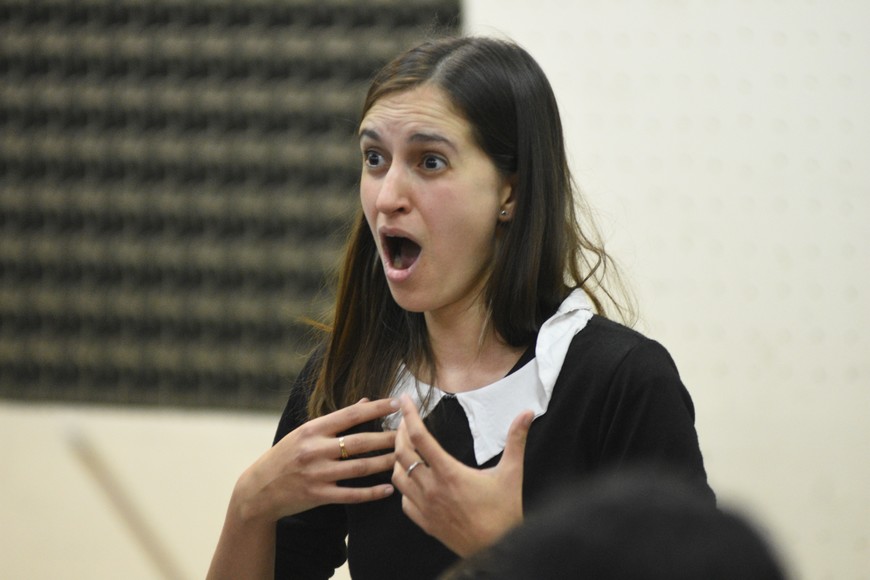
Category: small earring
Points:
column 503, row 213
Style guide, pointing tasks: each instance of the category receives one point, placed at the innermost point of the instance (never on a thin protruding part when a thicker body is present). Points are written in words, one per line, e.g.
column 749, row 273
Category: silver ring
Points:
column 412, row 467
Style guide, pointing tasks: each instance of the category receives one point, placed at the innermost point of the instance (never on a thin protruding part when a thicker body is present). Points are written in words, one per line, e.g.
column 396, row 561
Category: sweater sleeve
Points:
column 309, row 545
column 649, row 418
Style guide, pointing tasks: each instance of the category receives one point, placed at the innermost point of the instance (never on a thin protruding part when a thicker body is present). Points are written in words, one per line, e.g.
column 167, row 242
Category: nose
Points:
column 393, row 193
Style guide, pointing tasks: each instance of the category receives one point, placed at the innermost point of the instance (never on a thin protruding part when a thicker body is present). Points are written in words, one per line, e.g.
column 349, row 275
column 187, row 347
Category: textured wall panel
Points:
column 175, row 177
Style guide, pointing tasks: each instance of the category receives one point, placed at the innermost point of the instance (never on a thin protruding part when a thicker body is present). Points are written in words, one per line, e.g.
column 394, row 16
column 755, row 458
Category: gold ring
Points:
column 341, row 446
column 413, row 466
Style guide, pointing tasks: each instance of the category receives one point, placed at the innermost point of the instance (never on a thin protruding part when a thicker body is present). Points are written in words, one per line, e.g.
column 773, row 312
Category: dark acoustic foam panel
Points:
column 175, row 182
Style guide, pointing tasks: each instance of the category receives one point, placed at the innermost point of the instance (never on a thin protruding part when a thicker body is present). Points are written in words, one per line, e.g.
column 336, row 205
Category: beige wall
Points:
column 724, row 144
column 101, row 494
column 176, row 470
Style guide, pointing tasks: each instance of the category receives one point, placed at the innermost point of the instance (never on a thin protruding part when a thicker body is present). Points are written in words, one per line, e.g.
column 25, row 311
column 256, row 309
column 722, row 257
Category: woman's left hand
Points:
column 465, row 508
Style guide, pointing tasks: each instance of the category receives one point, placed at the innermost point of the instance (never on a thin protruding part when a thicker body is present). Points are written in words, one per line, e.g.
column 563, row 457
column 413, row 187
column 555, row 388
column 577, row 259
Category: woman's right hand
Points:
column 303, row 469
column 300, row 472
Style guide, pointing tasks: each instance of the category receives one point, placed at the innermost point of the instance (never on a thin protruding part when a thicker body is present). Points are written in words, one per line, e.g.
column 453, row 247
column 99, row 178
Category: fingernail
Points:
column 388, row 490
column 394, row 403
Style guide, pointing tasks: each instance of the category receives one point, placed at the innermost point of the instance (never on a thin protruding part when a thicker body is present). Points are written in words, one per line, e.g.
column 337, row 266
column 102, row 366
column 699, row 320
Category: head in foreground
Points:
column 634, row 526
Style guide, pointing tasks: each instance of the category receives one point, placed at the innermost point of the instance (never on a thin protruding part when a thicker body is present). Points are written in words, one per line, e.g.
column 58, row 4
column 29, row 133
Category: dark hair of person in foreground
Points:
column 637, row 526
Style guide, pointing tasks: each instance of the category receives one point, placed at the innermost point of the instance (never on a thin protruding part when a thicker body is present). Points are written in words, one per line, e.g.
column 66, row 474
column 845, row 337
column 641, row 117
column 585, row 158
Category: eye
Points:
column 433, row 163
column 373, row 159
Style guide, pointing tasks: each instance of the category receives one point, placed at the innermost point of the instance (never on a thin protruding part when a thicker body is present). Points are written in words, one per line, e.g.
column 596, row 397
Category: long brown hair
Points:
column 544, row 252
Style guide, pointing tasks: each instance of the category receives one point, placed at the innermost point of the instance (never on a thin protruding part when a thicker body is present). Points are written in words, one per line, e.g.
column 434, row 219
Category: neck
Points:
column 468, row 352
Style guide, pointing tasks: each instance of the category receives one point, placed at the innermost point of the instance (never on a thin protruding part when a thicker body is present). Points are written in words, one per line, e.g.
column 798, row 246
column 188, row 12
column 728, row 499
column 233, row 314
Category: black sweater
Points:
column 618, row 402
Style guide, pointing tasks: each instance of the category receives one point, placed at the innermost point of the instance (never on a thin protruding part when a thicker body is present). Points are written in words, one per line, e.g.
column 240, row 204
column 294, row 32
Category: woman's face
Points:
column 432, row 199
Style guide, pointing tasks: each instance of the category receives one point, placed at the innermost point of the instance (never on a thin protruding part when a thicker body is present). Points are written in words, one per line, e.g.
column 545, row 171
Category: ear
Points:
column 507, row 199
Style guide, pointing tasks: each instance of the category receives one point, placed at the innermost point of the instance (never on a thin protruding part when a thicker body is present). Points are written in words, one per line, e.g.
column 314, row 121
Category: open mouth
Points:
column 401, row 252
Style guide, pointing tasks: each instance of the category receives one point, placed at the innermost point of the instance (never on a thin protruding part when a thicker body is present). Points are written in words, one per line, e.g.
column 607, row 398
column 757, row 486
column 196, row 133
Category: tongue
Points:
column 406, row 253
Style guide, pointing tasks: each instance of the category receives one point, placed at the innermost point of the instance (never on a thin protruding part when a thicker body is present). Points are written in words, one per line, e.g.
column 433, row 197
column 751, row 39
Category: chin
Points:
column 409, row 305
column 407, row 302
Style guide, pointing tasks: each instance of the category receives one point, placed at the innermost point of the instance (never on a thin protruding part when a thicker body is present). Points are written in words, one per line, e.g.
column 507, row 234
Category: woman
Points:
column 466, row 310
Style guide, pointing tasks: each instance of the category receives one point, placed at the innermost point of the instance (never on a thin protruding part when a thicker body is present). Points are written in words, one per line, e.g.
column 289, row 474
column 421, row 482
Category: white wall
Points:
column 173, row 470
column 725, row 144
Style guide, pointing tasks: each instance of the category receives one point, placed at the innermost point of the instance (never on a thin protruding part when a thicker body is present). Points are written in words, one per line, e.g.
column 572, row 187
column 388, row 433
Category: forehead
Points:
column 423, row 108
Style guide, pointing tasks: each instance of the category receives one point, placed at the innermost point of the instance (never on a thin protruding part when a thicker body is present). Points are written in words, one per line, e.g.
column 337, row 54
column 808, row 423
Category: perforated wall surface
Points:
column 174, row 181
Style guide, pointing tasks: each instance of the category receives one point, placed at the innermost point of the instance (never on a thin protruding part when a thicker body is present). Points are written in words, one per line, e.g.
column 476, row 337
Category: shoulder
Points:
column 613, row 362
column 608, row 345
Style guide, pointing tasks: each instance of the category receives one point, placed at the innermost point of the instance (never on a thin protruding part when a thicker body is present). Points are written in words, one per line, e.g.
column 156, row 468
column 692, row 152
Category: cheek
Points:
column 471, row 232
column 367, row 198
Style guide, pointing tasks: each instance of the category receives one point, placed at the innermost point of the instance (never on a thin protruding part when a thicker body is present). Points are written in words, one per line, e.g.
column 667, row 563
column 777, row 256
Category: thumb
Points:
column 515, row 447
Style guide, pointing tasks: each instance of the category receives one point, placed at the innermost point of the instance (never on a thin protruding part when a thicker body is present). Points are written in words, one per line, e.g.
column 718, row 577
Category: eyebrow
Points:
column 415, row 138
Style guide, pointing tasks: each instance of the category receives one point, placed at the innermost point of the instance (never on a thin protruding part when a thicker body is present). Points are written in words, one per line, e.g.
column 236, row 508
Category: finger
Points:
column 405, row 482
column 405, row 456
column 405, row 452
column 362, row 443
column 361, row 412
column 399, row 478
column 357, row 467
column 413, row 512
column 336, row 494
column 515, row 447
column 419, row 438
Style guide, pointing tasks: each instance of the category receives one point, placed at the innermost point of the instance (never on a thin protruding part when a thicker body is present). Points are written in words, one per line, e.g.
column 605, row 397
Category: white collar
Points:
column 491, row 409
